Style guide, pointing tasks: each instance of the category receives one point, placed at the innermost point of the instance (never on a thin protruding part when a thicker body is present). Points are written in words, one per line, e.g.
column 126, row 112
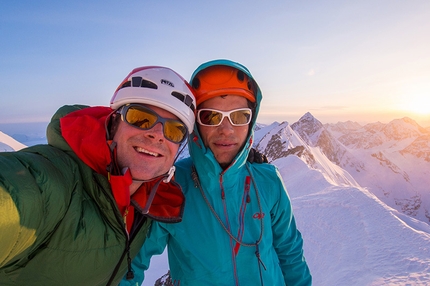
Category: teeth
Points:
column 141, row 150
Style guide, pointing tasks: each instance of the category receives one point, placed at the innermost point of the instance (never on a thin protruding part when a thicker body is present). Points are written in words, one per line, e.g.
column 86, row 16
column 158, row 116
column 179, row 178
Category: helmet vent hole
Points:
column 185, row 99
column 126, row 84
column 138, row 81
column 178, row 95
column 196, row 83
column 250, row 86
column 240, row 76
column 148, row 84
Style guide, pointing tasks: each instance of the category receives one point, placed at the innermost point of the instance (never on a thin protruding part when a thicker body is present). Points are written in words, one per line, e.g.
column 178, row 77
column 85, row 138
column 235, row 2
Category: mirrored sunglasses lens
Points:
column 240, row 117
column 140, row 118
column 208, row 117
column 175, row 131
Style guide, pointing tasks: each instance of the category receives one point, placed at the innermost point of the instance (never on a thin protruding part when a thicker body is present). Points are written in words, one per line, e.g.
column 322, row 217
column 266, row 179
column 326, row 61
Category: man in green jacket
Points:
column 238, row 227
column 77, row 210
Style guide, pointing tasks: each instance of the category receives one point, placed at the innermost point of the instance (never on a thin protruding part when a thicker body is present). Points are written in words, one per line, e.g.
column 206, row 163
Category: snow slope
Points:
column 8, row 144
column 351, row 237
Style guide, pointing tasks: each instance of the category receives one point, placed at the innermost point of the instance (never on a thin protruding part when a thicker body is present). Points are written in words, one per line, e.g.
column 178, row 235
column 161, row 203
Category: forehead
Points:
column 225, row 102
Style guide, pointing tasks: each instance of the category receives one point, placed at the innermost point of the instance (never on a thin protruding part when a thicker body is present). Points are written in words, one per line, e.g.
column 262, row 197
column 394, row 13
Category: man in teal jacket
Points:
column 238, row 226
column 76, row 211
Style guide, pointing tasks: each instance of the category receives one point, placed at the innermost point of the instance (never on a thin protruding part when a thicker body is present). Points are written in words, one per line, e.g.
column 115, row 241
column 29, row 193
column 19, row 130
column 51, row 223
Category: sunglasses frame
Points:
column 125, row 108
column 224, row 114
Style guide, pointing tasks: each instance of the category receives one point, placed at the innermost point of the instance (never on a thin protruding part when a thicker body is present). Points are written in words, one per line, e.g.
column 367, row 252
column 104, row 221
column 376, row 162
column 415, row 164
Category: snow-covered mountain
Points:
column 391, row 160
column 8, row 144
column 282, row 141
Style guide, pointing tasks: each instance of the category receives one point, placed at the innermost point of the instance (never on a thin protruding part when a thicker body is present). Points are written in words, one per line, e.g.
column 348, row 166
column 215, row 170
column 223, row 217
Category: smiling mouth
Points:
column 144, row 151
column 224, row 144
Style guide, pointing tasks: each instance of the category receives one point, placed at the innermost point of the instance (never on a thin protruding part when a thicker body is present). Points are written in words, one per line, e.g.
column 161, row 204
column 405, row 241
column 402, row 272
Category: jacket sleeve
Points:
column 34, row 196
column 155, row 244
column 288, row 241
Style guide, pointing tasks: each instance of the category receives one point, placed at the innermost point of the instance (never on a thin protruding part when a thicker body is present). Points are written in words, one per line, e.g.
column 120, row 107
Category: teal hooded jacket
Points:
column 237, row 229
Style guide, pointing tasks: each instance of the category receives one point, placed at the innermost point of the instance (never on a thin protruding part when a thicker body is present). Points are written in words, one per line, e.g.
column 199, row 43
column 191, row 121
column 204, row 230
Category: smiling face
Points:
column 147, row 153
column 225, row 140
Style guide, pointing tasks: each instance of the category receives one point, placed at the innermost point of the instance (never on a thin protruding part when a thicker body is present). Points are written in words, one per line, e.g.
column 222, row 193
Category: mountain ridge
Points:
column 392, row 160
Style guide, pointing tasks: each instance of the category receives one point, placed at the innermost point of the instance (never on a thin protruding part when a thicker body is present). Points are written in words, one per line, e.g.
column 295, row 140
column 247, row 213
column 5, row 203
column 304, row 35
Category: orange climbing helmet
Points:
column 222, row 77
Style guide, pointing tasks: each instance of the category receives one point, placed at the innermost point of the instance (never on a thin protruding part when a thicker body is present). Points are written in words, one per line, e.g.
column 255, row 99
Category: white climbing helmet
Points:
column 157, row 86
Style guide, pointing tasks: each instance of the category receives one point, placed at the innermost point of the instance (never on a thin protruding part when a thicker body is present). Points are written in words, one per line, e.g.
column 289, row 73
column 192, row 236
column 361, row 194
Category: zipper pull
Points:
column 125, row 221
column 124, row 216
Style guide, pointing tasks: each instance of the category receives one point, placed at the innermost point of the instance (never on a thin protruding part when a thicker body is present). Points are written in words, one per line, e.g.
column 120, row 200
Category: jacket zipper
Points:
column 235, row 247
column 245, row 200
column 127, row 243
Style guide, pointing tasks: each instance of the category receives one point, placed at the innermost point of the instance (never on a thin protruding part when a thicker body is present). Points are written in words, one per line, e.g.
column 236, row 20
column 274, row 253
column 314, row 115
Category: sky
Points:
column 364, row 61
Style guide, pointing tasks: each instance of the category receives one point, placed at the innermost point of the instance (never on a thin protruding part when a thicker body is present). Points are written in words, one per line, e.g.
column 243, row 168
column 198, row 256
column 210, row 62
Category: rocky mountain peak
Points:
column 308, row 120
column 308, row 127
column 403, row 128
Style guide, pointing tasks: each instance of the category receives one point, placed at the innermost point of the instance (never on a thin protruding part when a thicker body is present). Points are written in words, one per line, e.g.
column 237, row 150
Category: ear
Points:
column 113, row 124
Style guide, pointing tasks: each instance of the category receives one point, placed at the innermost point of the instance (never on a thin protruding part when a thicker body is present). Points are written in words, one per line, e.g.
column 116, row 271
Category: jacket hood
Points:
column 85, row 132
column 203, row 157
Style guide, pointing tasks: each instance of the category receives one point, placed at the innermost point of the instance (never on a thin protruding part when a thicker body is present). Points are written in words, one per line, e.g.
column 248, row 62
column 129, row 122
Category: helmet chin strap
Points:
column 170, row 174
column 167, row 176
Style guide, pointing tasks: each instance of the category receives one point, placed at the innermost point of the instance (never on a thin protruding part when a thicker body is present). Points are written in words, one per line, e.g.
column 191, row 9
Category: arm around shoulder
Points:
column 31, row 203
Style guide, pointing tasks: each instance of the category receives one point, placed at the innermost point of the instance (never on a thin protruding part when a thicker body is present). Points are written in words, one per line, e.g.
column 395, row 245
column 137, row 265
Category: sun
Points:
column 419, row 105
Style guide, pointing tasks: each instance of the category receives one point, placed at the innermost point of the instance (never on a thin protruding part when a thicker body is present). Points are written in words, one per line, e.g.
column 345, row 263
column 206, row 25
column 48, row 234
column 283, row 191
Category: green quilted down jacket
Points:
column 59, row 222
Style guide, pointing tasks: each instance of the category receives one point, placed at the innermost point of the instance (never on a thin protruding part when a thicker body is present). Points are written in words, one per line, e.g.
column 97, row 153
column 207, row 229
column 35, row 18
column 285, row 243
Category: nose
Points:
column 225, row 126
column 156, row 132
